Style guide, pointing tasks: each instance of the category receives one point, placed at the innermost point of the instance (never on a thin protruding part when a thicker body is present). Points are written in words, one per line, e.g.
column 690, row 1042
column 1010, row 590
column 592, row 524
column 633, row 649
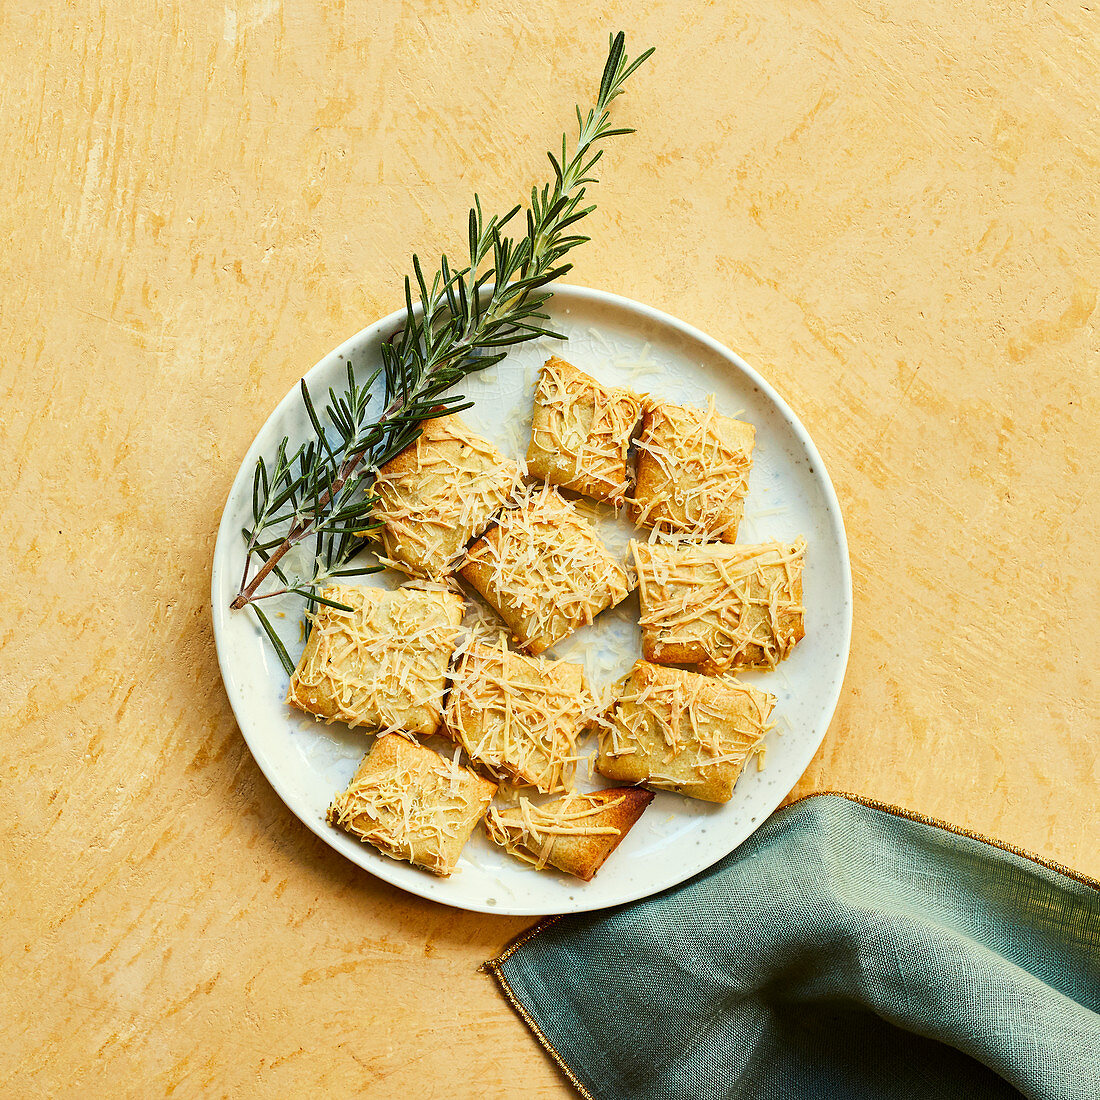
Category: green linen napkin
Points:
column 842, row 951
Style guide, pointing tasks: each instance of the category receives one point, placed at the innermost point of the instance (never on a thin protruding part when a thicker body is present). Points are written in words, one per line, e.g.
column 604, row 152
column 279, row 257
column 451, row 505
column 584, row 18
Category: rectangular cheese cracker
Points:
column 575, row 834
column 383, row 664
column 678, row 731
column 581, row 432
column 518, row 716
column 720, row 607
column 438, row 494
column 412, row 804
column 544, row 570
column 692, row 470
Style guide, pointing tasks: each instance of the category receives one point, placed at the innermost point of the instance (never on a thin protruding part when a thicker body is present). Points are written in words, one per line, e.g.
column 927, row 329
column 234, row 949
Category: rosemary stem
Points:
column 491, row 303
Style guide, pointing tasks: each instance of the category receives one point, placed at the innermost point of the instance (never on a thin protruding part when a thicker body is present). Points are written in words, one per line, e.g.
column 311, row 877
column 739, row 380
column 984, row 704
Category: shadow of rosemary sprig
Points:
column 463, row 321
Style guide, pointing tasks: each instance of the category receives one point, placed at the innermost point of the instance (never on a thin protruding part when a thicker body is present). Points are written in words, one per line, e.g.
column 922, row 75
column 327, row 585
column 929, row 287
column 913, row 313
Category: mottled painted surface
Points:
column 890, row 211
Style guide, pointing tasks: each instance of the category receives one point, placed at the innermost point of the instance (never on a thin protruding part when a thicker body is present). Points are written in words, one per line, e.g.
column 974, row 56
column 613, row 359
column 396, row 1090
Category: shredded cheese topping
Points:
column 544, row 569
column 721, row 606
column 581, row 434
column 519, row 716
column 682, row 727
column 383, row 664
column 413, row 804
column 693, row 471
column 439, row 493
column 533, row 832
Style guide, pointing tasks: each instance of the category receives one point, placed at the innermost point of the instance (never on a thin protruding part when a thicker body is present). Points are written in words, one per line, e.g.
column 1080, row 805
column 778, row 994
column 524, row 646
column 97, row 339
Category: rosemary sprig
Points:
column 464, row 320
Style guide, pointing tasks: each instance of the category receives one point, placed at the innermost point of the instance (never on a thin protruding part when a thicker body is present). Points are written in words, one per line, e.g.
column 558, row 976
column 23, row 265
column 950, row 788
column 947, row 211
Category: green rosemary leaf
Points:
column 356, row 509
column 312, row 595
column 258, row 480
column 419, row 273
column 639, row 60
column 247, row 533
column 276, row 641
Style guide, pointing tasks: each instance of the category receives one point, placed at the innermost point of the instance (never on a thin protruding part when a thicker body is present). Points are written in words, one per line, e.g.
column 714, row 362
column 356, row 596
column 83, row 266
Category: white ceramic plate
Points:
column 620, row 342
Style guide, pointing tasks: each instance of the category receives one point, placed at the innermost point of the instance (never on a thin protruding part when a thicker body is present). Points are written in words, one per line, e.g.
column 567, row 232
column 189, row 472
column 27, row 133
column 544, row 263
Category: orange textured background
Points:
column 889, row 211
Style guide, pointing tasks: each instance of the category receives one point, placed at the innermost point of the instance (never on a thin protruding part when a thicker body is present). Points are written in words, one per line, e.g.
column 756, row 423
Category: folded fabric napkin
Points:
column 842, row 951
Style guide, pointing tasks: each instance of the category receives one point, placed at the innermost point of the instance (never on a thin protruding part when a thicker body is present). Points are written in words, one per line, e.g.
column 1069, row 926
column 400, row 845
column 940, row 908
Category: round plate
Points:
column 620, row 342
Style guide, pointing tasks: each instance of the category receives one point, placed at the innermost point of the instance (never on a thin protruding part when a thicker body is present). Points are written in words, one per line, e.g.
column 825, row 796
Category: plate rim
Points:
column 654, row 315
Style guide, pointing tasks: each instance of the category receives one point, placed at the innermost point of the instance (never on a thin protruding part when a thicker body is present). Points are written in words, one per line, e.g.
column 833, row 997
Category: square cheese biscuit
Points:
column 412, row 804
column 439, row 493
column 576, row 834
column 720, row 607
column 518, row 716
column 581, row 432
column 383, row 664
column 682, row 732
column 544, row 570
column 692, row 470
